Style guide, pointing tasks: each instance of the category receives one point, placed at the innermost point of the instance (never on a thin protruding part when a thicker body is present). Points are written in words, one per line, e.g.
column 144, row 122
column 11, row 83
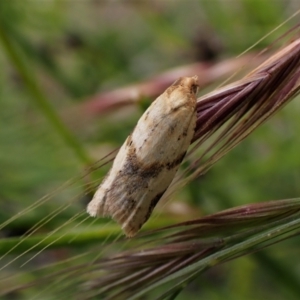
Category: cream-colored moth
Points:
column 149, row 158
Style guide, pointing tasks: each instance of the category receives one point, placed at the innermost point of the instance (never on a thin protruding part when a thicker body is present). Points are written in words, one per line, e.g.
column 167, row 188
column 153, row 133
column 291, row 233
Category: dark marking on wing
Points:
column 185, row 132
column 153, row 203
column 172, row 128
column 151, row 171
column 129, row 140
column 172, row 164
column 176, row 108
column 194, row 89
column 135, row 175
column 130, row 203
column 133, row 167
column 147, row 114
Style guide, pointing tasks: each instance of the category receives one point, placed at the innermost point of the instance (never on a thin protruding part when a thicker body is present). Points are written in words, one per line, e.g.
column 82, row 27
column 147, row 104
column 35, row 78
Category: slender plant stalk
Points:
column 40, row 100
column 58, row 240
column 71, row 238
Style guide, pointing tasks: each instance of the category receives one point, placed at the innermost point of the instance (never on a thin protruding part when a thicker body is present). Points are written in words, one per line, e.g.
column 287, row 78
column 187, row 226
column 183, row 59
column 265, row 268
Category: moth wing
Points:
column 147, row 161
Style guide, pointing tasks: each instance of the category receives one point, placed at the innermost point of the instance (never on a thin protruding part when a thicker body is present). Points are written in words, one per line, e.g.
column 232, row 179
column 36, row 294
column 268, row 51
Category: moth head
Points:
column 189, row 83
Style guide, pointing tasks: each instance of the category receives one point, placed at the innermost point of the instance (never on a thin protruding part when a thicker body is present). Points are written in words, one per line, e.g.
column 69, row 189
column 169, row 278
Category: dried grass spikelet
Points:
column 185, row 250
column 229, row 114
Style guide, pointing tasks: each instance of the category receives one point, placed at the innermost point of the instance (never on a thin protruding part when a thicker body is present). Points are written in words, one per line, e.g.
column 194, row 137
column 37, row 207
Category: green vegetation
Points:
column 55, row 56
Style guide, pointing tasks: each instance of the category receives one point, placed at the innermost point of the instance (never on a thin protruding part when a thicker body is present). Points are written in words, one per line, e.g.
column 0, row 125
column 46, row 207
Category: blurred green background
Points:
column 64, row 52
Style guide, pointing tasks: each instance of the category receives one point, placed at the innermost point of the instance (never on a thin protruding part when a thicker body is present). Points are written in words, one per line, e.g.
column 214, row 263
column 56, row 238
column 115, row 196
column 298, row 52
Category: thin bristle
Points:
column 244, row 105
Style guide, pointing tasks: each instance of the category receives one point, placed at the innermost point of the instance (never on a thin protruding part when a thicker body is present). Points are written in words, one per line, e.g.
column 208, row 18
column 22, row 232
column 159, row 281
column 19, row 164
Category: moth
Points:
column 149, row 158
